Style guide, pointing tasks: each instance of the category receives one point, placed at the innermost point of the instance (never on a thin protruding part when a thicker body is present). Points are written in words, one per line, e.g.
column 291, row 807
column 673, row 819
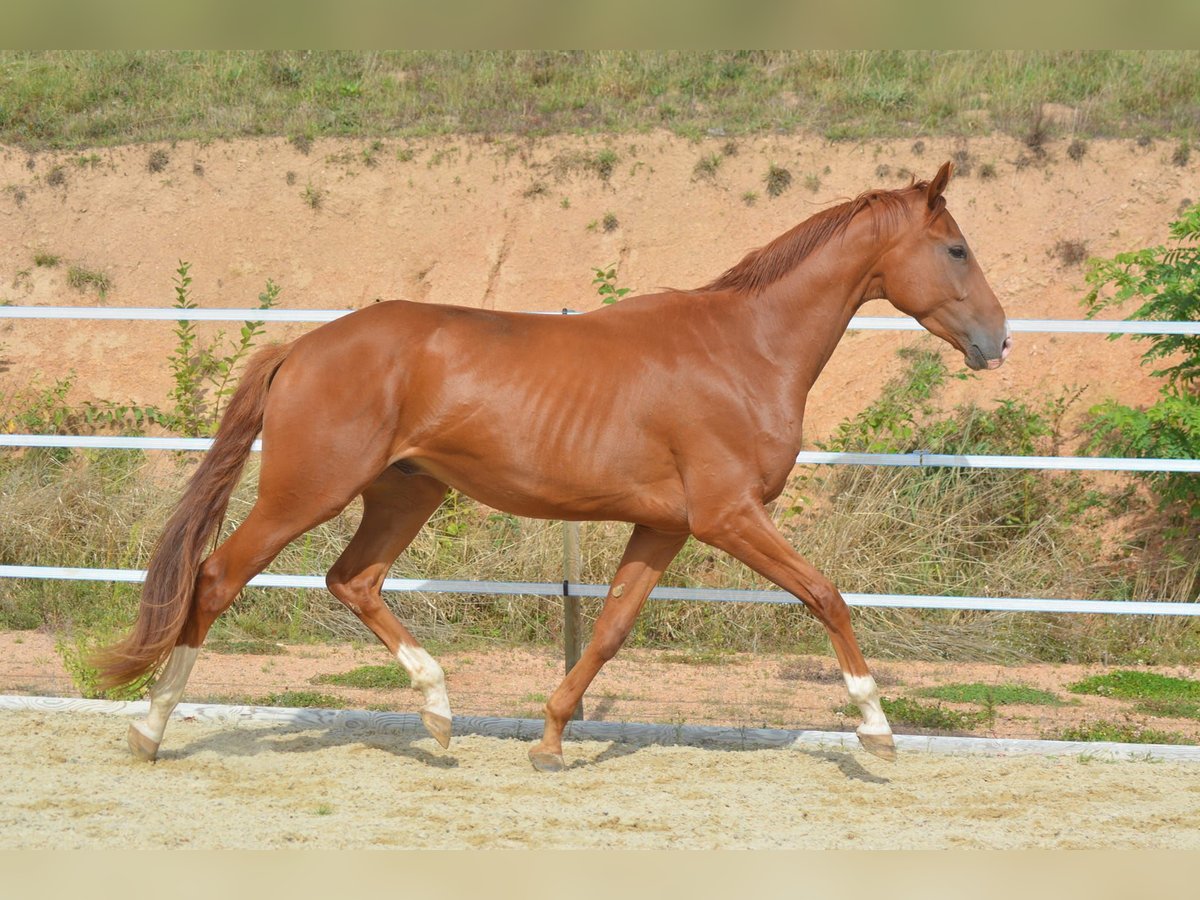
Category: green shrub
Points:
column 1166, row 282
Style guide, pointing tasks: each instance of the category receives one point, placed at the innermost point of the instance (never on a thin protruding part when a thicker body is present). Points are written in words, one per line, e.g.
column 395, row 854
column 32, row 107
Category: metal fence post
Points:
column 572, row 618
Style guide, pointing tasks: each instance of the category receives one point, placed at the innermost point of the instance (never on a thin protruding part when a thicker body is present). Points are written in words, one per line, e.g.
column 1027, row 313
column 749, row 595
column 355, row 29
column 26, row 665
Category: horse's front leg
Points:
column 748, row 534
column 647, row 554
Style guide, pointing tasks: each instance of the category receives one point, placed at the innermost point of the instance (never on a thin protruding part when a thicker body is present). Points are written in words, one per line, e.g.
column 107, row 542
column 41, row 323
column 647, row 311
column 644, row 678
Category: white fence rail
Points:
column 570, row 589
column 860, row 323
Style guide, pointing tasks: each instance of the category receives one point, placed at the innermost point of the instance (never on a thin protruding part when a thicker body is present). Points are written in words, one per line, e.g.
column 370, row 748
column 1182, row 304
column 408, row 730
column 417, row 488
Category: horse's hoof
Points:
column 545, row 761
column 880, row 745
column 141, row 746
column 437, row 726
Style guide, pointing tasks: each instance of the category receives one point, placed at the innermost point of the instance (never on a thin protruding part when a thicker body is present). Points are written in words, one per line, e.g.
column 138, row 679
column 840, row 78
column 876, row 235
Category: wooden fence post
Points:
column 572, row 619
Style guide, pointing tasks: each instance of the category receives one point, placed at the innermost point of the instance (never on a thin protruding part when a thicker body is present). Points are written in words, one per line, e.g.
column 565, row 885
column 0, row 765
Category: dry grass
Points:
column 861, row 526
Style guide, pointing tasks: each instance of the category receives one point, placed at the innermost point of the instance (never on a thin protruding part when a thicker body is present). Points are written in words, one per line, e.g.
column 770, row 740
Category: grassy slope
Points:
column 76, row 99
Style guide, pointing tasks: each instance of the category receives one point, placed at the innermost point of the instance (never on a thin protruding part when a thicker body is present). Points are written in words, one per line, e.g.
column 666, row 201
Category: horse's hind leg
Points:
column 267, row 529
column 647, row 555
column 395, row 507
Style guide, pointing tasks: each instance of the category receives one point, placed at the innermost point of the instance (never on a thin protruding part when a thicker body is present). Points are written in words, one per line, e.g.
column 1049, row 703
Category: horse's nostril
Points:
column 1007, row 347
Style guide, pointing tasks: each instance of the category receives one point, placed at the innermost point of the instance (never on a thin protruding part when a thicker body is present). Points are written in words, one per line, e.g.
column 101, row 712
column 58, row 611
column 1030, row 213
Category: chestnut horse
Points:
column 679, row 412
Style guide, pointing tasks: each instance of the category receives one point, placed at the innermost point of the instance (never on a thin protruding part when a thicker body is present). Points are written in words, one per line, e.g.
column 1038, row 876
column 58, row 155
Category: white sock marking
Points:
column 427, row 677
column 865, row 695
column 167, row 691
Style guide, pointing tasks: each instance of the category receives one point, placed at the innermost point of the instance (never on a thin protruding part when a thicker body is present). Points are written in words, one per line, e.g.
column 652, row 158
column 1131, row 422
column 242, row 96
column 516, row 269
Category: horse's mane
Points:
column 766, row 265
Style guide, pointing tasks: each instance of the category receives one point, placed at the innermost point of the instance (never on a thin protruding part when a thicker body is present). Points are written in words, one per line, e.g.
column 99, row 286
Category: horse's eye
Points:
column 958, row 251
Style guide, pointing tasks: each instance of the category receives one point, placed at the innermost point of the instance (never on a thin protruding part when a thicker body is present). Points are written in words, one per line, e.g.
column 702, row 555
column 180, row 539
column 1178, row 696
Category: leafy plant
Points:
column 1166, row 281
column 202, row 372
column 606, row 284
column 76, row 650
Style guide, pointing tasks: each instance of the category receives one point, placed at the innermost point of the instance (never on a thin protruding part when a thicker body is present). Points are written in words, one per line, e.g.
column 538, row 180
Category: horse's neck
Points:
column 804, row 315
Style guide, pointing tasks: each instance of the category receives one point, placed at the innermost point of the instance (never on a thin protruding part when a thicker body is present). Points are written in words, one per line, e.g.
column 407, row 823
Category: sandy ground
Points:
column 70, row 783
column 517, row 224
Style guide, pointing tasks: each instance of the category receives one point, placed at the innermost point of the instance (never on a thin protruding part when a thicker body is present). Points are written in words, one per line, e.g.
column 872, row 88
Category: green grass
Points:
column 707, row 656
column 992, row 694
column 301, row 698
column 1121, row 733
column 76, row 99
column 906, row 713
column 1157, row 695
column 390, row 676
column 1127, row 684
column 257, row 648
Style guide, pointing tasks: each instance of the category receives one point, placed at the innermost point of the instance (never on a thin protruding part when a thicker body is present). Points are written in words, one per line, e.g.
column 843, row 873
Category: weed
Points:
column 1127, row 684
column 256, row 648
column 289, row 178
column 730, row 148
column 604, row 162
column 301, row 142
column 963, row 162
column 404, row 154
column 706, row 167
column 1183, row 152
column 1069, row 253
column 918, row 148
column 750, row 198
column 992, row 694
column 987, row 171
column 158, row 160
column 1038, row 134
column 535, row 190
column 605, row 282
column 313, row 196
column 813, row 183
column 91, row 161
column 17, row 193
column 198, row 169
column 565, row 202
column 609, row 222
column 370, row 154
column 82, row 279
column 708, row 656
column 323, row 809
column 1119, row 733
column 883, row 170
column 76, row 650
column 907, row 713
column 309, row 699
column 46, row 260
column 1076, row 150
column 390, row 676
column 778, row 180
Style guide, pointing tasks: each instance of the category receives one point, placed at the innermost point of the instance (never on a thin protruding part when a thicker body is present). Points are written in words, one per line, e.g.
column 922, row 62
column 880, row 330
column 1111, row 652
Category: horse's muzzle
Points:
column 1005, row 349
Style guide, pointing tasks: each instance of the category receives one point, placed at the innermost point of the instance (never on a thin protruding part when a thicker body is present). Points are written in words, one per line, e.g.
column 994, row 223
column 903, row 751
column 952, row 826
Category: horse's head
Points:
column 931, row 274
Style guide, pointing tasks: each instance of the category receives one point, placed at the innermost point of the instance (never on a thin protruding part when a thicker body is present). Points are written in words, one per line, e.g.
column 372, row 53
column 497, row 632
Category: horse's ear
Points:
column 939, row 183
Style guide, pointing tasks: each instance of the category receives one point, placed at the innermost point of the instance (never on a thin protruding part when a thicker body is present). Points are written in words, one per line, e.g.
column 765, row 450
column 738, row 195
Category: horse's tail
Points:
column 171, row 578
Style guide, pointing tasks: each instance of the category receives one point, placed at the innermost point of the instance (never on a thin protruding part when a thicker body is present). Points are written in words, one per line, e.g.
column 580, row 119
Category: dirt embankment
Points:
column 518, row 224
